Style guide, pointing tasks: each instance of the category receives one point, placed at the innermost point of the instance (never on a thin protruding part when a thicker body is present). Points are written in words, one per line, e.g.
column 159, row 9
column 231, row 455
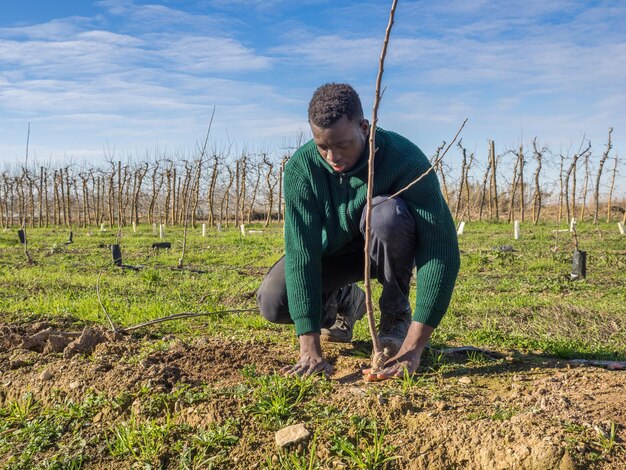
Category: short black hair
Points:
column 333, row 100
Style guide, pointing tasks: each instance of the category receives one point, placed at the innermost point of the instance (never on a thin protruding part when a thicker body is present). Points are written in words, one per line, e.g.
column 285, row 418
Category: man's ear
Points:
column 365, row 126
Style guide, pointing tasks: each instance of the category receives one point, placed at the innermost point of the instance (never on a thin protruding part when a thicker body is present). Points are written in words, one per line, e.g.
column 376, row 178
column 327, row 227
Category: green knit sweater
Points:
column 322, row 214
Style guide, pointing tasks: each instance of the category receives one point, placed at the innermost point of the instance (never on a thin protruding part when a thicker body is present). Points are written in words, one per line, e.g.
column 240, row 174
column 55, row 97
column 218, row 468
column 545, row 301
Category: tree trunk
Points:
column 608, row 205
column 462, row 181
column 281, row 211
column 560, row 211
column 537, row 194
column 483, row 192
column 211, row 192
column 513, row 189
column 255, row 189
column 596, row 194
column 585, row 188
column 493, row 189
column 521, row 184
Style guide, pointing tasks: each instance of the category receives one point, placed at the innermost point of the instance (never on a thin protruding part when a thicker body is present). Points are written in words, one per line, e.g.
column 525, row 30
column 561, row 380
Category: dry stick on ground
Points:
column 179, row 316
column 379, row 357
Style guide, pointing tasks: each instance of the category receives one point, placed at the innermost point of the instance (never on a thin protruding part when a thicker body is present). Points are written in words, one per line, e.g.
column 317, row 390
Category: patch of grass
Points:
column 276, row 397
column 142, row 442
column 208, row 448
column 305, row 459
column 364, row 445
column 32, row 428
column 410, row 381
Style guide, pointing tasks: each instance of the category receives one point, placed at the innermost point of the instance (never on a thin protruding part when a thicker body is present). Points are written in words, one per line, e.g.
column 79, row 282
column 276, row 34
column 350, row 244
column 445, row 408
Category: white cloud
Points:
column 209, row 54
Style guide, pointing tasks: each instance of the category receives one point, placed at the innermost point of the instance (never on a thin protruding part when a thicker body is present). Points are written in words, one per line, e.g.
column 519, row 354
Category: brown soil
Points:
column 513, row 413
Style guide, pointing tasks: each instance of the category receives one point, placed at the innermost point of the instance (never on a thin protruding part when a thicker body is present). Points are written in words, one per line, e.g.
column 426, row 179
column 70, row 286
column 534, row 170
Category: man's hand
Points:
column 408, row 357
column 311, row 360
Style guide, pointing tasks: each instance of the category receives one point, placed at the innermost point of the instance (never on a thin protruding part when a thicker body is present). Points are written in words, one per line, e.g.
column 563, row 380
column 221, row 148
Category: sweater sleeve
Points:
column 303, row 254
column 437, row 258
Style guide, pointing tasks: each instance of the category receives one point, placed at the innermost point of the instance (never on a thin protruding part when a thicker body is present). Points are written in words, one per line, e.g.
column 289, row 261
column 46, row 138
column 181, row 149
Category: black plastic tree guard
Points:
column 116, row 251
column 162, row 245
column 579, row 265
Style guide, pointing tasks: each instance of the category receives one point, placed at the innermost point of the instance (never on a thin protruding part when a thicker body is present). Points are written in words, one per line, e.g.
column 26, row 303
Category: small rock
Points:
column 201, row 343
column 98, row 417
column 74, row 385
column 441, row 406
column 291, row 435
column 359, row 392
column 567, row 463
column 465, row 380
column 45, row 375
column 381, row 400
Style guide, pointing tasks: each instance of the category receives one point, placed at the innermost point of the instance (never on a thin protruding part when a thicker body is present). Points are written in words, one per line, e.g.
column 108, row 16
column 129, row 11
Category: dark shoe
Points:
column 393, row 329
column 350, row 309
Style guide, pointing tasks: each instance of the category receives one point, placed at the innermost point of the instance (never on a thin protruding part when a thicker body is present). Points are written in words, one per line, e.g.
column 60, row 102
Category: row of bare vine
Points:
column 219, row 188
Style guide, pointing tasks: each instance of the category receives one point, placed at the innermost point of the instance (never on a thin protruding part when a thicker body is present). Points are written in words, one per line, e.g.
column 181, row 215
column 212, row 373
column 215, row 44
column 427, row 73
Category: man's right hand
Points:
column 311, row 360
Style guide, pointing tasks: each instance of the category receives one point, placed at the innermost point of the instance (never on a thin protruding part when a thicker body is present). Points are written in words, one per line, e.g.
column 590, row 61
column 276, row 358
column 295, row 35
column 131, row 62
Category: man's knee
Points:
column 390, row 218
column 272, row 300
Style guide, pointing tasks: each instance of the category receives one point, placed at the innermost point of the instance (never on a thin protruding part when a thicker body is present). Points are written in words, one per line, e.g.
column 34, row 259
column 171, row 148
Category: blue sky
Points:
column 139, row 75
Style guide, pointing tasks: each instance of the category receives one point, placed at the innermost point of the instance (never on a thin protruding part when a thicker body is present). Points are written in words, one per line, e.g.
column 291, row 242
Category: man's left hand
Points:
column 396, row 367
column 408, row 358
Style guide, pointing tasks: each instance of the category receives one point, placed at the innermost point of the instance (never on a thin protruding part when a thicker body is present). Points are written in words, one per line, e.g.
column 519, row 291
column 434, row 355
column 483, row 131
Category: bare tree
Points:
column 493, row 188
column 596, row 194
column 271, row 183
column 462, row 180
column 537, row 202
column 571, row 175
column 585, row 189
column 608, row 205
column 211, row 190
column 224, row 205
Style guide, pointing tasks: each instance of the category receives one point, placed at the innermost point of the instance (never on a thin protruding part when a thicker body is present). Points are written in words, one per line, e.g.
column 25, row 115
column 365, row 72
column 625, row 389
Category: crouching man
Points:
column 325, row 188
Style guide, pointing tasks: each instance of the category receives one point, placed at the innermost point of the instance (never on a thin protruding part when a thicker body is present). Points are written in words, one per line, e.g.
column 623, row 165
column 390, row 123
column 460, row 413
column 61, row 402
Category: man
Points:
column 325, row 187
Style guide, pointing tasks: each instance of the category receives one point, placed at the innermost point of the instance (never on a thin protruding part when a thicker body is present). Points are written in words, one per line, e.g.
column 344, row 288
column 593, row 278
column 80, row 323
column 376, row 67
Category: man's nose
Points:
column 332, row 156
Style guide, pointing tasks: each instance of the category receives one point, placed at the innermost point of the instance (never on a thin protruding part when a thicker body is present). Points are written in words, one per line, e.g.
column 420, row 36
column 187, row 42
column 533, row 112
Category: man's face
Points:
column 342, row 144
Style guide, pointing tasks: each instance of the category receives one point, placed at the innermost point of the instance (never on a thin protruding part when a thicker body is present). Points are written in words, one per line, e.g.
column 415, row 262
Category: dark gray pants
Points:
column 392, row 252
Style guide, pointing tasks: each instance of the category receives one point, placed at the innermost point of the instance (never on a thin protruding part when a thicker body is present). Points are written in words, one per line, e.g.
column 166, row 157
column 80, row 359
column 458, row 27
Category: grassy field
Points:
column 202, row 393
